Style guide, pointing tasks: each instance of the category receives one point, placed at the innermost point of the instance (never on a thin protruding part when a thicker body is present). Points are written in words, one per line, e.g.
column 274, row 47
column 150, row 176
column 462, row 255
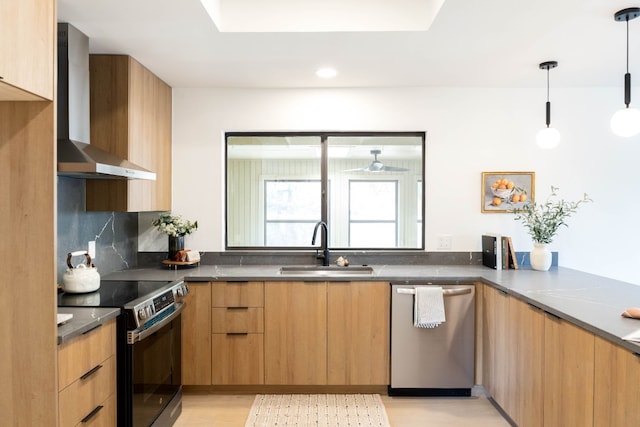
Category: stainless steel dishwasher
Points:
column 437, row 361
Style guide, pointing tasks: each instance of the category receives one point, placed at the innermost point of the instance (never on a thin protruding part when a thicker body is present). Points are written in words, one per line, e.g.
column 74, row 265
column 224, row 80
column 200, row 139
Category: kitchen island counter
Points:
column 586, row 300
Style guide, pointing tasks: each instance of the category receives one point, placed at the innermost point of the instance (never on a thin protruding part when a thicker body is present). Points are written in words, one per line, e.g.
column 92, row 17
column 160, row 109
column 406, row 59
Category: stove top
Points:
column 114, row 293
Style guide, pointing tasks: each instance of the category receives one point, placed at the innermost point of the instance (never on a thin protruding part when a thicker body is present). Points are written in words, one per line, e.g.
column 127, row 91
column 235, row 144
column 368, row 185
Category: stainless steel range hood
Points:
column 77, row 158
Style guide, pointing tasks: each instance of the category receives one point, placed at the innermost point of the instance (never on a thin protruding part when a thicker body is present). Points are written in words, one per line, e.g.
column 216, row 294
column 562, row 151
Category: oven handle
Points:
column 140, row 334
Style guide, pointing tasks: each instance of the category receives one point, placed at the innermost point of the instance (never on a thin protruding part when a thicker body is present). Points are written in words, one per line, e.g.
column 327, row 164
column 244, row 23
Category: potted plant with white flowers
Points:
column 176, row 227
column 543, row 220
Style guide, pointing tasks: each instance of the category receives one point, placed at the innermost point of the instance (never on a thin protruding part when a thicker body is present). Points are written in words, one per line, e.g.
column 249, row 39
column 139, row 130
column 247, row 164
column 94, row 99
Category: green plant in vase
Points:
column 176, row 227
column 543, row 220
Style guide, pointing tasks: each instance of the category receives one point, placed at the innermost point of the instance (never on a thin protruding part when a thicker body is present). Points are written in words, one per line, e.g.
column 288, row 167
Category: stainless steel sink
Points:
column 331, row 270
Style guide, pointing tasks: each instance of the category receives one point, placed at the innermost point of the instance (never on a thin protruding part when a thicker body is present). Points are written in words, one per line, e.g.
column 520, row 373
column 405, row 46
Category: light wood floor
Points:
column 232, row 410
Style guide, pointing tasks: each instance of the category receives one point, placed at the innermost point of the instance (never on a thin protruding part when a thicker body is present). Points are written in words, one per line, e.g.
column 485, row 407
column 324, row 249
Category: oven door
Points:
column 154, row 386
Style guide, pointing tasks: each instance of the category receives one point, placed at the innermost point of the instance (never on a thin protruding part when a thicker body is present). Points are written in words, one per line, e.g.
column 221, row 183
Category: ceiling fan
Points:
column 378, row 166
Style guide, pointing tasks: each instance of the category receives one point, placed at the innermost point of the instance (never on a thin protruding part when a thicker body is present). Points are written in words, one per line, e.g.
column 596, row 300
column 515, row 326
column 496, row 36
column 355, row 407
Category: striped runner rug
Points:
column 318, row 410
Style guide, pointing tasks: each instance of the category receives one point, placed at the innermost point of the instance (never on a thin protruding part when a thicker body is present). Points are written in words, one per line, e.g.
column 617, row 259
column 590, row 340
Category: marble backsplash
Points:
column 115, row 233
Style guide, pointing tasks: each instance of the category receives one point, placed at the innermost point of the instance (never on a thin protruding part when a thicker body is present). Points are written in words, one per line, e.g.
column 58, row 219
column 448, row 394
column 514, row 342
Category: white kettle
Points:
column 81, row 278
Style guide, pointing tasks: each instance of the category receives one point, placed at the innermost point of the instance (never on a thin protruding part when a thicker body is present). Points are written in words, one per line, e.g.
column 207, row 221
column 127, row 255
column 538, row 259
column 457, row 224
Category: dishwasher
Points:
column 432, row 361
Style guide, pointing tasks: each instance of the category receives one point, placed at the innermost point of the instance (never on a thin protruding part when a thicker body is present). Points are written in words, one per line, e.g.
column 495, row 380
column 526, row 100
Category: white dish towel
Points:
column 428, row 307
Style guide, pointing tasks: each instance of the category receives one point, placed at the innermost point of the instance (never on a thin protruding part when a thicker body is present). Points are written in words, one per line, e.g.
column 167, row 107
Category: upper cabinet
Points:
column 27, row 38
column 130, row 117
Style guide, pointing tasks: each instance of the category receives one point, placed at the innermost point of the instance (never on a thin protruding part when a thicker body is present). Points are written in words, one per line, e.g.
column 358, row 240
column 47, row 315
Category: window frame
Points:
column 324, row 179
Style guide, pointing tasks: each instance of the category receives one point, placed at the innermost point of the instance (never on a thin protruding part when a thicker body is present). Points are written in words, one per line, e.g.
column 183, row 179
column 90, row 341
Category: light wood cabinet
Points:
column 327, row 333
column 87, row 378
column 130, row 117
column 27, row 37
column 28, row 395
column 237, row 325
column 286, row 333
column 27, row 206
column 196, row 335
column 496, row 346
column 568, row 374
column 358, row 333
column 526, row 361
column 296, row 333
column 616, row 386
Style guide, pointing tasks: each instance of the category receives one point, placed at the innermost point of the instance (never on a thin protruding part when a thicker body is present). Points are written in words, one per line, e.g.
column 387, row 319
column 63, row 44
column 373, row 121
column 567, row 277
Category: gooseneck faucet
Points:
column 325, row 242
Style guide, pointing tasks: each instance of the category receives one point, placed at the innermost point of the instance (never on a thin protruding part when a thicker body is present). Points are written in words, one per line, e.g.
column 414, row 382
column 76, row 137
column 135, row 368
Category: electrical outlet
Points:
column 444, row 241
column 92, row 249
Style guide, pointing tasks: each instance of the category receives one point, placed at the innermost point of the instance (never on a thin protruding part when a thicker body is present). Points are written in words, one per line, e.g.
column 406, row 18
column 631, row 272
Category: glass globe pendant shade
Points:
column 548, row 138
column 626, row 122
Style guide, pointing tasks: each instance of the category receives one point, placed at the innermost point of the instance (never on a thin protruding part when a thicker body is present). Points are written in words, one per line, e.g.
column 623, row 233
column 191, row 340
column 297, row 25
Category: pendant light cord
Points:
column 548, row 104
column 547, row 84
column 627, row 76
column 627, row 44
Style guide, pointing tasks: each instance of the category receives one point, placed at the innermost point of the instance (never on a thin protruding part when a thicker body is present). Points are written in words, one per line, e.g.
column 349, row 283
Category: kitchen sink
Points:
column 330, row 270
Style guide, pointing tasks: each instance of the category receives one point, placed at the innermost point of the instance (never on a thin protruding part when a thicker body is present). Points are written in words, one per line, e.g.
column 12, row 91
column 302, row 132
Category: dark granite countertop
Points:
column 83, row 320
column 589, row 301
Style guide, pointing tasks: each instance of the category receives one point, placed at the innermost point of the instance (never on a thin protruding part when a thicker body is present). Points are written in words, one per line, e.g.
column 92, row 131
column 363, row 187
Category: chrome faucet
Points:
column 325, row 242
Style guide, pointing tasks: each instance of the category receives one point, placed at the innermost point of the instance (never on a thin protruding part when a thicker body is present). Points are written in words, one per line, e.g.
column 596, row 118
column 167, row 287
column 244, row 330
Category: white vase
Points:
column 540, row 257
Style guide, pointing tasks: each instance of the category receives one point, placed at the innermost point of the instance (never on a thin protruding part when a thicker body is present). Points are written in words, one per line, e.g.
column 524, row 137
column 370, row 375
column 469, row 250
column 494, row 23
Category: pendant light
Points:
column 548, row 137
column 626, row 122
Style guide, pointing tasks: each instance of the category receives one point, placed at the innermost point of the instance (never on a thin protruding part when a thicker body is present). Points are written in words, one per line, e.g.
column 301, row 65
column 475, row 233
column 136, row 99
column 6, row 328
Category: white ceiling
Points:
column 473, row 43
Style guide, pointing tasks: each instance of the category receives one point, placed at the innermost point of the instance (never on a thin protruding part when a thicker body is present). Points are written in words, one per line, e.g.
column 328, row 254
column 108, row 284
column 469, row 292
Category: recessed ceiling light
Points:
column 326, row 73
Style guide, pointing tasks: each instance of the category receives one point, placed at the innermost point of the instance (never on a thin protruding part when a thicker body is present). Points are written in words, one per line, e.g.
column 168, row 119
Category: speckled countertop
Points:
column 83, row 320
column 589, row 301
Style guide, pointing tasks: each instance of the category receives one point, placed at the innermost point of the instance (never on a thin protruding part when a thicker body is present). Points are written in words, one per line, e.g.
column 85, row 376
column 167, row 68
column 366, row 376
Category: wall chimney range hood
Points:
column 77, row 158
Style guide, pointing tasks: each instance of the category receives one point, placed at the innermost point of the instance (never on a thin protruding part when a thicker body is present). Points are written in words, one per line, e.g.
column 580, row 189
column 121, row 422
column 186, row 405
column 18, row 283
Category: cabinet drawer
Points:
column 82, row 353
column 233, row 319
column 102, row 417
column 81, row 397
column 237, row 294
column 237, row 359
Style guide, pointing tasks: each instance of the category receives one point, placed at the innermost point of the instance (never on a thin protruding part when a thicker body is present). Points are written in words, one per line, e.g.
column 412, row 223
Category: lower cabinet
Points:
column 616, row 386
column 286, row 333
column 196, row 335
column 495, row 344
column 327, row 333
column 87, row 379
column 537, row 367
column 238, row 358
column 527, row 356
column 358, row 333
column 568, row 374
column 296, row 333
column 237, row 327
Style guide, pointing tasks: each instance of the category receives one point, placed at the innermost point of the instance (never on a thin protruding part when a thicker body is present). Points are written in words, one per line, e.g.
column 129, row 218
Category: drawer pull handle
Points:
column 237, row 333
column 92, row 414
column 237, row 308
column 553, row 315
column 91, row 372
column 92, row 329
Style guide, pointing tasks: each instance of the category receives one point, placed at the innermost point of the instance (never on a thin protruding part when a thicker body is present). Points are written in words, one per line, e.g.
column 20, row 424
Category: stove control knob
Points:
column 182, row 291
column 142, row 314
column 149, row 311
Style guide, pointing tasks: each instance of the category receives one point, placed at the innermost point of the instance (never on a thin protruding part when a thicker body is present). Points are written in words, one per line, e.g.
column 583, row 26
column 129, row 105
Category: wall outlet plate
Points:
column 91, row 249
column 444, row 242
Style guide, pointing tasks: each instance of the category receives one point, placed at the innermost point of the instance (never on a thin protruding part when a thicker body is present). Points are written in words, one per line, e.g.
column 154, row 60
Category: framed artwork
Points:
column 505, row 191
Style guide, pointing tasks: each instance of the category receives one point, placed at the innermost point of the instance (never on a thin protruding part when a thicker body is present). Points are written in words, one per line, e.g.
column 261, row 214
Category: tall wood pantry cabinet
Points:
column 28, row 395
column 130, row 117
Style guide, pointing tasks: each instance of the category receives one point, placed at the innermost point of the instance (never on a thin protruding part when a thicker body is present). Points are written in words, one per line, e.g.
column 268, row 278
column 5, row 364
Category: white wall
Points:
column 469, row 131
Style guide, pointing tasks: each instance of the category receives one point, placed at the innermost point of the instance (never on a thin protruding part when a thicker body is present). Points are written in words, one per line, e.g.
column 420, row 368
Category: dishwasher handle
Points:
column 445, row 292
